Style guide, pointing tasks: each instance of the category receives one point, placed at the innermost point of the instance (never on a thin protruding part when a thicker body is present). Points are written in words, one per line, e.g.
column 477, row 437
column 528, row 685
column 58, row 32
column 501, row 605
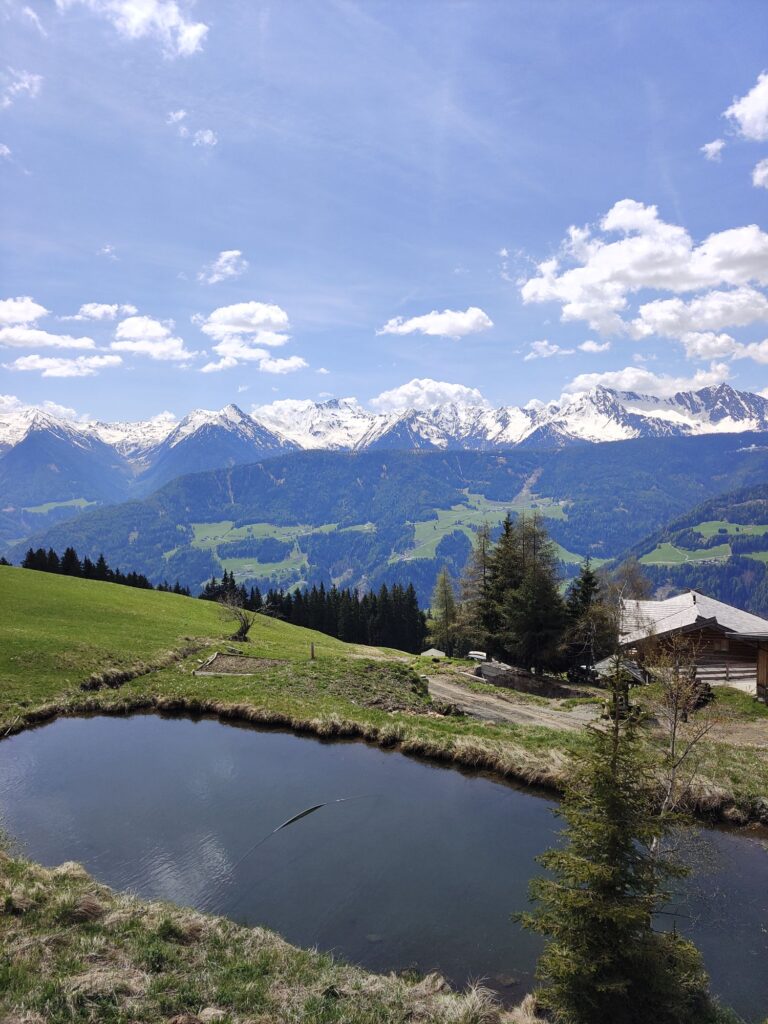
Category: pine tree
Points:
column 603, row 961
column 591, row 632
column 475, row 592
column 443, row 613
column 70, row 563
column 532, row 612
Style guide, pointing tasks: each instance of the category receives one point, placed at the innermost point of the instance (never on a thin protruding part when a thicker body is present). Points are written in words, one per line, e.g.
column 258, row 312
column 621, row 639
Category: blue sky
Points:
column 256, row 201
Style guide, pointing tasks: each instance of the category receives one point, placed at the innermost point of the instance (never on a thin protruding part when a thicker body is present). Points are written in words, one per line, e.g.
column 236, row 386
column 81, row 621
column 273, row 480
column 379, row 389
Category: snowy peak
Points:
column 228, row 435
column 340, row 423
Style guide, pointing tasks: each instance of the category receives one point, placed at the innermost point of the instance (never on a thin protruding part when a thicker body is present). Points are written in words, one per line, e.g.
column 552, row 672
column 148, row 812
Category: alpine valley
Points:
column 304, row 492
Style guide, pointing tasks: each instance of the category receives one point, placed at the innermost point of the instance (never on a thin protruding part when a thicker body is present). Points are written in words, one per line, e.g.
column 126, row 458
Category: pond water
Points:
column 422, row 870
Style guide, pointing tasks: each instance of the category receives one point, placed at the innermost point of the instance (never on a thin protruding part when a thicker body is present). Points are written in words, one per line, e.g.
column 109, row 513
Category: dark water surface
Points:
column 423, row 871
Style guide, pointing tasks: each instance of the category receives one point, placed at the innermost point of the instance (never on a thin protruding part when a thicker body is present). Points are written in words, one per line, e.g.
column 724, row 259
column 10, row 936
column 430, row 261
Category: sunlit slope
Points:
column 55, row 631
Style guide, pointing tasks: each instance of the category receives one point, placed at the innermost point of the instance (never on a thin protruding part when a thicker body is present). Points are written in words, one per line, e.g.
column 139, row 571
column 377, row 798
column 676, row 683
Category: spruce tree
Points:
column 592, row 625
column 532, row 612
column 443, row 613
column 603, row 960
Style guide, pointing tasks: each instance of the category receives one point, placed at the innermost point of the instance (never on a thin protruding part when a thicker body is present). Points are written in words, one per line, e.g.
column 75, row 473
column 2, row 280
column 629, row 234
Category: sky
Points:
column 409, row 203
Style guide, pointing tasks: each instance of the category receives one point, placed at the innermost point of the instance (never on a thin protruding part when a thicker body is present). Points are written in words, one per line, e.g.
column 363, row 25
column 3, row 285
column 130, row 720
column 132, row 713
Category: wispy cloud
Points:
column 451, row 323
column 229, row 263
column 16, row 84
column 161, row 20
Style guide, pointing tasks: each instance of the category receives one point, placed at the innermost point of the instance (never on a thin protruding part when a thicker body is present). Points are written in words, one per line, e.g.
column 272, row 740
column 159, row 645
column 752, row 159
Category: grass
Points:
column 668, row 554
column 50, row 505
column 469, row 515
column 714, row 526
column 57, row 634
column 210, row 535
column 75, row 952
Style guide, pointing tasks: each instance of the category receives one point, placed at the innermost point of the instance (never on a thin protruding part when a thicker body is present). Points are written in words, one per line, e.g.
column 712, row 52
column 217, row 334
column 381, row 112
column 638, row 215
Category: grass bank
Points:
column 60, row 635
column 74, row 952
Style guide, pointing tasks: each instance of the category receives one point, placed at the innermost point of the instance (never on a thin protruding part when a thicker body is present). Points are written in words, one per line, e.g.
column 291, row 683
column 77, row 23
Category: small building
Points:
column 731, row 645
column 432, row 653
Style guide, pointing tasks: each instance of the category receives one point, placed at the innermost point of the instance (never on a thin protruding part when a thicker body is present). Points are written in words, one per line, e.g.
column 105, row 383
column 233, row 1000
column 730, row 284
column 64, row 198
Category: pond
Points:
column 421, row 870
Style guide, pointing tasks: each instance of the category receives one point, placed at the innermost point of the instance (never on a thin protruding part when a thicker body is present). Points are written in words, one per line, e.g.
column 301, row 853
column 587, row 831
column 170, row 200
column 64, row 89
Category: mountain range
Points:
column 367, row 517
column 50, row 467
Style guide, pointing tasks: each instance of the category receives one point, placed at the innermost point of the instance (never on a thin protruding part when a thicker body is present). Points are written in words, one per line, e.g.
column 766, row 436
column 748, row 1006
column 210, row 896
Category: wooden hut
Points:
column 731, row 645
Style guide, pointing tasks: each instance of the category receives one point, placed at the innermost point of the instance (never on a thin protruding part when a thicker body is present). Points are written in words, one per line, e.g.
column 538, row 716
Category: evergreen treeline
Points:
column 389, row 618
column 512, row 607
column 69, row 564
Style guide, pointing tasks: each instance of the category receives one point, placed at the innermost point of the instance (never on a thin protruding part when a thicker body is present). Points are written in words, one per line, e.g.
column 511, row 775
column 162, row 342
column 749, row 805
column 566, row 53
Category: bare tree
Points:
column 684, row 713
column 233, row 611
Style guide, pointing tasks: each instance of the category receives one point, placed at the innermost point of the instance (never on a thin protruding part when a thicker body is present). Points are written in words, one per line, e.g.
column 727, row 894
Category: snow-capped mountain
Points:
column 135, row 440
column 154, row 451
column 340, row 423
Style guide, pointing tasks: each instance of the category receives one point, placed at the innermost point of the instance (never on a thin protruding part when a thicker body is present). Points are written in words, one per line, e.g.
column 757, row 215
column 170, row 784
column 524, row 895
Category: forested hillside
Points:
column 367, row 518
column 719, row 547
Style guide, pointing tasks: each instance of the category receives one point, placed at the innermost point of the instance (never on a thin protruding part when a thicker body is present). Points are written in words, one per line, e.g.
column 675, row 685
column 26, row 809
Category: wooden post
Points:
column 312, row 651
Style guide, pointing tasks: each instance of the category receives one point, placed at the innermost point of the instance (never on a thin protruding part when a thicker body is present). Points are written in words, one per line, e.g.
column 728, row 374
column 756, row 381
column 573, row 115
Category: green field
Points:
column 470, row 515
column 668, row 554
column 49, row 506
column 210, row 535
column 714, row 526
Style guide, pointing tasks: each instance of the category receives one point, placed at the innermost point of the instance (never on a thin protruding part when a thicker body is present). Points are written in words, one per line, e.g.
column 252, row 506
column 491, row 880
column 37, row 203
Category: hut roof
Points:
column 643, row 619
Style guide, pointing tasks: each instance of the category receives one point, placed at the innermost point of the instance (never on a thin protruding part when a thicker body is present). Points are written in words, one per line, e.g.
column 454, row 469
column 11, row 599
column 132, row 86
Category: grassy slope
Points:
column 75, row 953
column 54, row 634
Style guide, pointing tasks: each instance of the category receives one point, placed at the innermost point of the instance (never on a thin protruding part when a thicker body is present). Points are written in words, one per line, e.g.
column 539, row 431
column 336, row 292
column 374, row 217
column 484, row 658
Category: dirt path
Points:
column 491, row 708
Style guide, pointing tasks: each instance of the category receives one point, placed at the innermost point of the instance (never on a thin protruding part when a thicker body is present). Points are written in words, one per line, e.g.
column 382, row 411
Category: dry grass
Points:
column 113, row 959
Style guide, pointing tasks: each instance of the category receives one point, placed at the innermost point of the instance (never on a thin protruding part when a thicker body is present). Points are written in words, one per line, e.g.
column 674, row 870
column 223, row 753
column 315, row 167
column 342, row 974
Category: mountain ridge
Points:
column 595, row 416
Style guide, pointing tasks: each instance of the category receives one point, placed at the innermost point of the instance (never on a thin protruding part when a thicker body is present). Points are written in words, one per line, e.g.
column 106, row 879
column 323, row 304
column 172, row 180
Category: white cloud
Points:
column 229, row 263
column 205, row 137
column 5, row 151
column 22, row 336
column 146, row 336
column 749, row 115
column 448, row 324
column 425, row 393
column 755, row 350
column 712, row 311
column 760, row 174
column 32, row 16
column 322, row 370
column 594, row 346
column 156, row 19
column 21, row 310
column 176, row 118
column 593, row 276
column 709, row 345
column 264, row 320
column 48, row 366
column 714, row 150
column 288, row 365
column 11, row 404
column 108, row 251
column 17, row 84
column 102, row 311
column 242, row 330
column 637, row 378
column 545, row 349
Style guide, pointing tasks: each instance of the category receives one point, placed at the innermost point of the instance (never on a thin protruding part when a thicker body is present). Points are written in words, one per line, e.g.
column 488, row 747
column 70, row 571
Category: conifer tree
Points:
column 70, row 563
column 475, row 592
column 603, row 960
column 531, row 613
column 443, row 613
column 591, row 632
